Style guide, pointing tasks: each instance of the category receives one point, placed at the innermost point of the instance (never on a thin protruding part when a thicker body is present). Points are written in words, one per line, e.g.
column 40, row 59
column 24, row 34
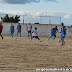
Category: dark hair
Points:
column 62, row 24
column 56, row 26
column 35, row 27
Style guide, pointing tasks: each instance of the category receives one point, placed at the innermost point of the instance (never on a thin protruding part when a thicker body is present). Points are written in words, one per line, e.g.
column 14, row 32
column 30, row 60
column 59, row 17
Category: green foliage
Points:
column 12, row 19
column 36, row 23
column 71, row 25
column 17, row 19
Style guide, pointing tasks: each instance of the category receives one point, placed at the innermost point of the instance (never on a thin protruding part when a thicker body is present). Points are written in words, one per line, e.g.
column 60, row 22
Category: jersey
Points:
column 29, row 27
column 54, row 30
column 12, row 28
column 34, row 33
column 63, row 30
column 19, row 28
column 1, row 27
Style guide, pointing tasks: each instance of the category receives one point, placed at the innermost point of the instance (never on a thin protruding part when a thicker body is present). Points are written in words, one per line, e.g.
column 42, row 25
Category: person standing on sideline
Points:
column 18, row 30
column 1, row 28
column 12, row 30
column 29, row 28
column 63, row 34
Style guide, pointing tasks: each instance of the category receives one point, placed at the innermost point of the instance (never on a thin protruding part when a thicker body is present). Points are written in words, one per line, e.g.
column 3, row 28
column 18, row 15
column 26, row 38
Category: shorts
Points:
column 35, row 36
column 18, row 31
column 0, row 31
column 12, row 32
column 29, row 31
column 52, row 35
column 63, row 35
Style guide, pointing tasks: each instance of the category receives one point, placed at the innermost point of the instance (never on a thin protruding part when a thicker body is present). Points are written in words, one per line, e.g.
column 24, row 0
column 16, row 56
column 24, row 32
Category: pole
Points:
column 60, row 20
column 50, row 23
column 40, row 19
column 23, row 19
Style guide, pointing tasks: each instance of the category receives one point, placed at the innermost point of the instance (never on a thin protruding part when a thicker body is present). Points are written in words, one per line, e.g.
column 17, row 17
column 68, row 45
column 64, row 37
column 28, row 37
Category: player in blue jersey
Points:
column 19, row 30
column 53, row 32
column 63, row 33
column 12, row 30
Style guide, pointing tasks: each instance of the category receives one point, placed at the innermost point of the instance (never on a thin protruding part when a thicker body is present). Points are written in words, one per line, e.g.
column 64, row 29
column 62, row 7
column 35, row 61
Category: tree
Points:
column 15, row 19
column 12, row 19
column 5, row 19
column 71, row 25
column 36, row 23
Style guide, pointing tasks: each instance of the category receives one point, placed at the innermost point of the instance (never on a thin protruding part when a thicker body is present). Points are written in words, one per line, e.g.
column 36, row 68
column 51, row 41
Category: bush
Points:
column 71, row 25
column 10, row 19
column 36, row 23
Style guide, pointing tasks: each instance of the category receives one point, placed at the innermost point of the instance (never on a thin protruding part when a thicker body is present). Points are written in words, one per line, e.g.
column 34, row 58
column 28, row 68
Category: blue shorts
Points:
column 63, row 35
column 18, row 31
column 29, row 31
column 11, row 31
column 52, row 34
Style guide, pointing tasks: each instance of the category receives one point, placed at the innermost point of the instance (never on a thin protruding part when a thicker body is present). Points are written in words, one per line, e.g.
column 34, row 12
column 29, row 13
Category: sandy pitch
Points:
column 24, row 56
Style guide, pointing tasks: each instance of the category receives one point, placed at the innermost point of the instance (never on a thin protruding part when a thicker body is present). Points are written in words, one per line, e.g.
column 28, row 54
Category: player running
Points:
column 63, row 33
column 53, row 32
column 18, row 30
column 35, row 35
column 29, row 28
column 1, row 28
column 12, row 30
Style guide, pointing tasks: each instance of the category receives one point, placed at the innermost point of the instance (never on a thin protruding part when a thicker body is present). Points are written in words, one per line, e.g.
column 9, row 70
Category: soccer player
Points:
column 18, row 30
column 53, row 32
column 1, row 28
column 29, row 28
column 12, row 30
column 35, row 35
column 63, row 33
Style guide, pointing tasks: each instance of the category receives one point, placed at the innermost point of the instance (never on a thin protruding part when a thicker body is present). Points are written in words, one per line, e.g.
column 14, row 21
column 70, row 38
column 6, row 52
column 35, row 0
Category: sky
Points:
column 53, row 8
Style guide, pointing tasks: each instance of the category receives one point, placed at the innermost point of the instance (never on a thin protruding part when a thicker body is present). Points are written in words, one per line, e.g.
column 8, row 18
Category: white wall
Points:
column 43, row 29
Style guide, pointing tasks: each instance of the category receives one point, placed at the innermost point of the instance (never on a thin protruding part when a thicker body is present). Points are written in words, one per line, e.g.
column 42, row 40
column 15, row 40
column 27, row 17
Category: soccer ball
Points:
column 59, row 40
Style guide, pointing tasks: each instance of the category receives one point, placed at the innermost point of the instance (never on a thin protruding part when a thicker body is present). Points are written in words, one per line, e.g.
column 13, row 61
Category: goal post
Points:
column 42, row 19
column 50, row 20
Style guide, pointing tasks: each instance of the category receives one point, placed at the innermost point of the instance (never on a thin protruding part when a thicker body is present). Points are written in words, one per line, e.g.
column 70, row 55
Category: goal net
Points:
column 50, row 20
column 42, row 19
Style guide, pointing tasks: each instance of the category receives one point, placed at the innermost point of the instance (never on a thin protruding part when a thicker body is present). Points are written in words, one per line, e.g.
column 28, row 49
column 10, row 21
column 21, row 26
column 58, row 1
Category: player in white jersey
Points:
column 29, row 28
column 63, row 33
column 35, row 34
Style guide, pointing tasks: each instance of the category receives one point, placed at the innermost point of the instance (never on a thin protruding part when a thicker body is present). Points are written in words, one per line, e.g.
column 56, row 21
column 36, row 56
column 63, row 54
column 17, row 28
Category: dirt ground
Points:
column 21, row 55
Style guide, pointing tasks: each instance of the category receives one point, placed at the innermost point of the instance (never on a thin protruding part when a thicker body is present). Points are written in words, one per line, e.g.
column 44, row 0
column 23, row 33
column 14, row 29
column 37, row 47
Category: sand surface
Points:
column 21, row 55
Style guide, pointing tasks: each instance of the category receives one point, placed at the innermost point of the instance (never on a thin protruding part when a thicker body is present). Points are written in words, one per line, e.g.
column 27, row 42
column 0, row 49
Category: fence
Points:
column 43, row 29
